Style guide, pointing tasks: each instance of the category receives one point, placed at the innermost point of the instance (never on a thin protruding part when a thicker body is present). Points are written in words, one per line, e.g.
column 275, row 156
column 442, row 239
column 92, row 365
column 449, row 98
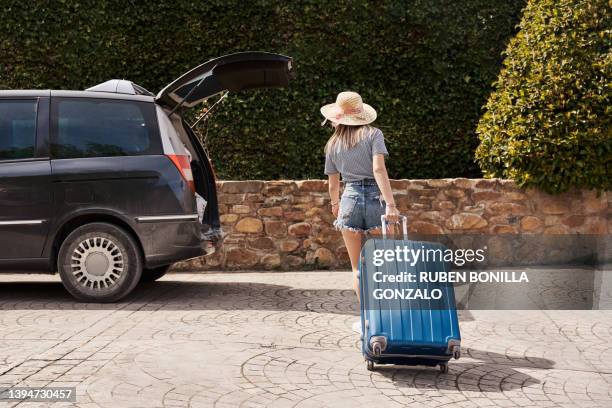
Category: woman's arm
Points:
column 334, row 192
column 382, row 179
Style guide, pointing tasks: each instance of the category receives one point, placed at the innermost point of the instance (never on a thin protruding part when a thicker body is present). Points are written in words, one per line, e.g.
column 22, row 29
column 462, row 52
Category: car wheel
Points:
column 151, row 275
column 99, row 262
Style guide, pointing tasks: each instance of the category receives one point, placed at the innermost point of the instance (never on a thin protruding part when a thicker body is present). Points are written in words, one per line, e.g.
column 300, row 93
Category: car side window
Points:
column 17, row 129
column 85, row 127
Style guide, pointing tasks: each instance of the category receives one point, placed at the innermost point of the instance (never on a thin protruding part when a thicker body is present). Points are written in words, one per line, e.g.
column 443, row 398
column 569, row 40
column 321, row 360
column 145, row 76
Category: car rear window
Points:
column 86, row 127
column 17, row 129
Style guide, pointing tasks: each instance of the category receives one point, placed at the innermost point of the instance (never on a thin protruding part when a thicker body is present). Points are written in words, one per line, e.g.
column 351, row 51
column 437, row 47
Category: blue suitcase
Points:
column 404, row 330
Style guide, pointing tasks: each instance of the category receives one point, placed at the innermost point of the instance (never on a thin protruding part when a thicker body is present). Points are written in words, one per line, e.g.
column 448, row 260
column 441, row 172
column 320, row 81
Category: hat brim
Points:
column 333, row 113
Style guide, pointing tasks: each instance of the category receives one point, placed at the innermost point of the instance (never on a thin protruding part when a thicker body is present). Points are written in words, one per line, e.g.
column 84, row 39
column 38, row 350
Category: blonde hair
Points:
column 346, row 136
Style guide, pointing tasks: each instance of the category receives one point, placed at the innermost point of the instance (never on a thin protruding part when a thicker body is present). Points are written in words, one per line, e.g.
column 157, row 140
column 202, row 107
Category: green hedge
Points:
column 548, row 123
column 426, row 65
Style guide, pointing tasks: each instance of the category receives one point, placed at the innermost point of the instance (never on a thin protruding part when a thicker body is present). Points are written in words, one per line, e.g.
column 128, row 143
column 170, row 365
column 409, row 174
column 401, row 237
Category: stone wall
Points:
column 288, row 224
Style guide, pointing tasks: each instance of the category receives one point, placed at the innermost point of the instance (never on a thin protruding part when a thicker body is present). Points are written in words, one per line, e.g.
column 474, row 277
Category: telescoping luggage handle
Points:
column 383, row 221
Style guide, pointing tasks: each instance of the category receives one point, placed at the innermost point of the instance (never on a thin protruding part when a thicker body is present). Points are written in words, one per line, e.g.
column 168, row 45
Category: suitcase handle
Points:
column 383, row 221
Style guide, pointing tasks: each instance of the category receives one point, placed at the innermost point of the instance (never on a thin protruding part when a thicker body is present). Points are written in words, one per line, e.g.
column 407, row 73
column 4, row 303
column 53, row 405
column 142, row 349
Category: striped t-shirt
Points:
column 356, row 163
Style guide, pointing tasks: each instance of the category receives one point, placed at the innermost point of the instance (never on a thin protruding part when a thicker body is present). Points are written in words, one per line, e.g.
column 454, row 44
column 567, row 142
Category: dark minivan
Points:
column 110, row 186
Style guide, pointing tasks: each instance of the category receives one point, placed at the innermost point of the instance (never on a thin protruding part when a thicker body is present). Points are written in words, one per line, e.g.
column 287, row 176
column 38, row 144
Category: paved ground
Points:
column 283, row 339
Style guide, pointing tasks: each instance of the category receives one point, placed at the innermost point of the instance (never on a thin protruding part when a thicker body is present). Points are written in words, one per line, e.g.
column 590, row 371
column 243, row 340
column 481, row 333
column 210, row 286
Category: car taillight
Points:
column 184, row 167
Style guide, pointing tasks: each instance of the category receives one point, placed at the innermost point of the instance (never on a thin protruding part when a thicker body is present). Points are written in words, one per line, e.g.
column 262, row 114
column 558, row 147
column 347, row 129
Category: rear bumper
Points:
column 170, row 240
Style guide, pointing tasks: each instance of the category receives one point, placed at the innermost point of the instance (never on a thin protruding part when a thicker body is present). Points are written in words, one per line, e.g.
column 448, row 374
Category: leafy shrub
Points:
column 547, row 123
column 425, row 65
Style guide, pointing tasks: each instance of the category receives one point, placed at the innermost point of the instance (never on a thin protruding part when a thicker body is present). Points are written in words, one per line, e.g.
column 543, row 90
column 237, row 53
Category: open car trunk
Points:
column 234, row 72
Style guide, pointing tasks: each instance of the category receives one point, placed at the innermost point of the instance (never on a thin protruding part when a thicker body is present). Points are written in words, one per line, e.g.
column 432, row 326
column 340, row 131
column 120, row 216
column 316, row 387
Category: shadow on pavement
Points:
column 494, row 373
column 189, row 295
column 185, row 295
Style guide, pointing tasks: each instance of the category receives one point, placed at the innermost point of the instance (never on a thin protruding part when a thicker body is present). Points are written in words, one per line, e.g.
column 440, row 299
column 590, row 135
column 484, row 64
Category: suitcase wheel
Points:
column 457, row 354
column 377, row 349
column 370, row 365
column 444, row 368
column 378, row 344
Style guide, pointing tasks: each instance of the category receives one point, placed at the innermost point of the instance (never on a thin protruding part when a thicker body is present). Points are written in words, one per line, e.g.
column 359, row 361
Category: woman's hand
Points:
column 334, row 207
column 334, row 192
column 391, row 213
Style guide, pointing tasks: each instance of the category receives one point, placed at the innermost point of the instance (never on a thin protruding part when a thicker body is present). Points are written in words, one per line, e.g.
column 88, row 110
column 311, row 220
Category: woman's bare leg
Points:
column 352, row 241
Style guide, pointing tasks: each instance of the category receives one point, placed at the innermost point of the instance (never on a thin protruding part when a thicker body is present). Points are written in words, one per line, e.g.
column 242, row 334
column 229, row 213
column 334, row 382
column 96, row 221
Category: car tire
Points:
column 99, row 262
column 153, row 274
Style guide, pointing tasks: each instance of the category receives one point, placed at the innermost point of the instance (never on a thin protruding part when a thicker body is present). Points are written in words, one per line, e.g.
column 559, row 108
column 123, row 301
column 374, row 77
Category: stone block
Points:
column 241, row 257
column 270, row 211
column 249, row 225
column 327, row 235
column 574, row 220
column 278, row 200
column 230, row 198
column 440, row 183
column 303, row 199
column 454, row 193
column 515, row 196
column 500, row 219
column 486, row 184
column 301, row 229
column 431, row 216
column 486, row 196
column 466, row 221
column 240, row 209
column 271, row 261
column 228, row 218
column 234, row 187
column 324, row 257
column 399, row 185
column 289, row 245
column 443, row 205
column 427, row 228
column 275, row 228
column 312, row 185
column 531, row 224
column 554, row 206
column 294, row 215
column 464, row 183
column 506, row 184
column 264, row 243
column 292, row 261
column 507, row 208
column 342, row 254
column 280, row 187
column 253, row 197
column 503, row 229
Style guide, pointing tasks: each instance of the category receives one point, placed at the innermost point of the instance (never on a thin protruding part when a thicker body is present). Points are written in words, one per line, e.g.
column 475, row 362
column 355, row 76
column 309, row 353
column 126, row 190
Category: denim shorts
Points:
column 361, row 206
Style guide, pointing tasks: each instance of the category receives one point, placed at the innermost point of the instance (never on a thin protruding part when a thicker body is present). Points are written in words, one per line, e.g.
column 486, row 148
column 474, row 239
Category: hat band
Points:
column 358, row 112
column 352, row 111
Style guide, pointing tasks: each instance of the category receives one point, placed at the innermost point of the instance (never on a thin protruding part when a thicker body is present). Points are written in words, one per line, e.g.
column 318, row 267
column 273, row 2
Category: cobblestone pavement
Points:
column 282, row 340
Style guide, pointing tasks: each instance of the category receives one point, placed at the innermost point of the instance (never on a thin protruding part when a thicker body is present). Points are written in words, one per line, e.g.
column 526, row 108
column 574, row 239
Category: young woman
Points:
column 357, row 151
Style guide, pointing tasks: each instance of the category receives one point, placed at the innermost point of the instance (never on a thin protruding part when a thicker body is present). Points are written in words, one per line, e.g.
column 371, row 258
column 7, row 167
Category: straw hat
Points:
column 349, row 109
